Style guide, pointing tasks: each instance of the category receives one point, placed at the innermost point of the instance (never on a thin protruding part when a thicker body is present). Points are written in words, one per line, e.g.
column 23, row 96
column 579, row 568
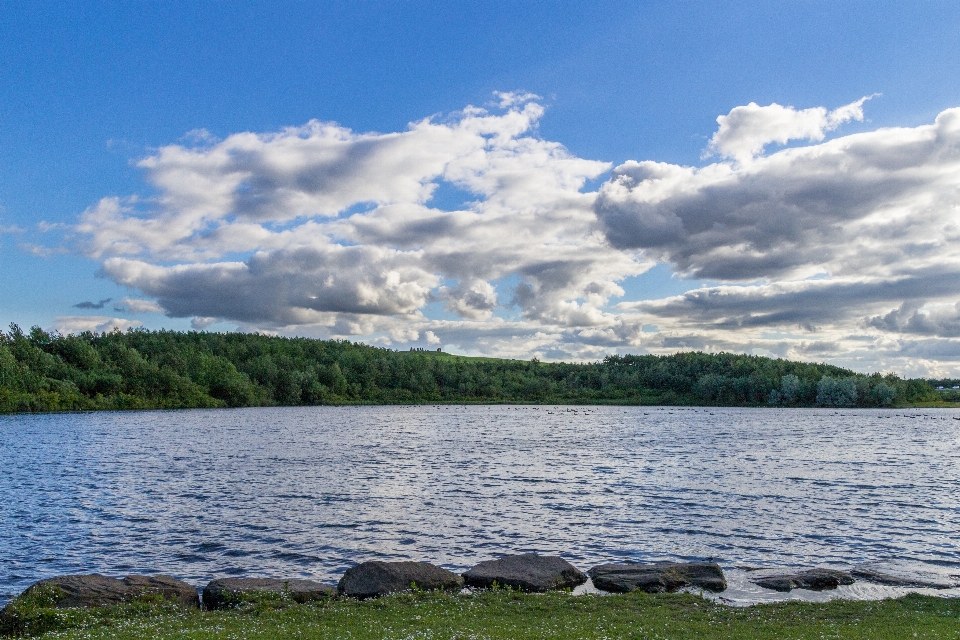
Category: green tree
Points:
column 832, row 392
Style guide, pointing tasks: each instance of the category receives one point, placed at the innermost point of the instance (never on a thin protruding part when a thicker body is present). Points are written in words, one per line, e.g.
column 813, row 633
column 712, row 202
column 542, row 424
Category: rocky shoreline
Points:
column 524, row 572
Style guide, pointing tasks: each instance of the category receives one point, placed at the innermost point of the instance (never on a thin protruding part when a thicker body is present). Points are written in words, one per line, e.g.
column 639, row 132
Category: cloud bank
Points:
column 472, row 231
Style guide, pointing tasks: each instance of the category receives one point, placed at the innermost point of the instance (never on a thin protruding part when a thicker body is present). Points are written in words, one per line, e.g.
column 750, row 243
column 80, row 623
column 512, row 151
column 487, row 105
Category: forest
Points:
column 141, row 369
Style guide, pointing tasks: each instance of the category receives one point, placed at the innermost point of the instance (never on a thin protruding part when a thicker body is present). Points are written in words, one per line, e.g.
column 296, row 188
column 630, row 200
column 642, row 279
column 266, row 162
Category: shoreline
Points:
column 739, row 586
column 484, row 403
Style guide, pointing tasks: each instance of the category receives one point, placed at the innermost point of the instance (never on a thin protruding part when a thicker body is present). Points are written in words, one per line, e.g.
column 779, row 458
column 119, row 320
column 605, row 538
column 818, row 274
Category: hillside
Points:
column 143, row 369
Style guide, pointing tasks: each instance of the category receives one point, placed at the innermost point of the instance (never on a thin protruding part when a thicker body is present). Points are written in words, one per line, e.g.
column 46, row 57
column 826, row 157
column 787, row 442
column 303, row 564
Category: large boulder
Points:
column 527, row 572
column 225, row 593
column 375, row 578
column 658, row 577
column 812, row 579
column 95, row 590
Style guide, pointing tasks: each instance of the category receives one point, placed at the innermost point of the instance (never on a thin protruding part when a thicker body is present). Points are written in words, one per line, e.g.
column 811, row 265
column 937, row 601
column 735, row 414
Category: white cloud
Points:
column 844, row 249
column 475, row 300
column 883, row 202
column 507, row 99
column 292, row 286
column 199, row 323
column 404, row 334
column 135, row 305
column 338, row 225
column 745, row 131
column 42, row 251
column 96, row 324
column 826, row 250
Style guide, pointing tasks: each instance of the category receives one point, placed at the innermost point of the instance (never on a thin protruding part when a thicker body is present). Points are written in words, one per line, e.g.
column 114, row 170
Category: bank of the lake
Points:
column 516, row 616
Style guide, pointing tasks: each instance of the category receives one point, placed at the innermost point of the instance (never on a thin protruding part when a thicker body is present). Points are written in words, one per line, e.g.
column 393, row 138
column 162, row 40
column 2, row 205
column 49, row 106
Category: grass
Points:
column 943, row 404
column 453, row 357
column 515, row 616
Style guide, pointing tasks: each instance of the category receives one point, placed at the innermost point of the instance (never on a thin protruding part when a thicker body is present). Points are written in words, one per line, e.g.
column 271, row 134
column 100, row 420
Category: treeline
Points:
column 143, row 369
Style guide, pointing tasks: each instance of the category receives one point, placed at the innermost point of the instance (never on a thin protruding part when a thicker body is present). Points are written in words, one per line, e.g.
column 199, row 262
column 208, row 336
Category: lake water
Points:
column 308, row 492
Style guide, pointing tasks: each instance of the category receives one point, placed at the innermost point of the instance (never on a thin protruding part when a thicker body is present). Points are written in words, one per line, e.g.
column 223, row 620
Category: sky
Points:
column 555, row 180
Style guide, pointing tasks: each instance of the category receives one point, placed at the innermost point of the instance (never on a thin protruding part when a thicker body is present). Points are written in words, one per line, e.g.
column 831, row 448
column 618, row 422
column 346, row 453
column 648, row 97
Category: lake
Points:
column 310, row 491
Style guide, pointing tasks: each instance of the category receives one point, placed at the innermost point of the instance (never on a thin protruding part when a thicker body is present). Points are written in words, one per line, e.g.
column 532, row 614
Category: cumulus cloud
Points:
column 198, row 323
column 96, row 324
column 745, row 131
column 293, row 286
column 883, row 202
column 321, row 226
column 843, row 248
column 912, row 318
column 476, row 299
column 854, row 239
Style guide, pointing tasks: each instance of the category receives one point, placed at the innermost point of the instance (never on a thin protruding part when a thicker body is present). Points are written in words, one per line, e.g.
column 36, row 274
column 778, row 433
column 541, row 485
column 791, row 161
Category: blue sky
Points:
column 92, row 96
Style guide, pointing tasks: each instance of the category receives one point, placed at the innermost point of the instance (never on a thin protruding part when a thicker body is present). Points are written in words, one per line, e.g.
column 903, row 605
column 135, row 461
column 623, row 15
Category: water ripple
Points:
column 307, row 492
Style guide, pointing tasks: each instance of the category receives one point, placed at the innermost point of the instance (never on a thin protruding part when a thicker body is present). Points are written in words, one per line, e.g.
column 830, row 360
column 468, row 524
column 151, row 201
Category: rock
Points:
column 527, row 572
column 658, row 577
column 95, row 590
column 813, row 579
column 916, row 582
column 375, row 578
column 224, row 593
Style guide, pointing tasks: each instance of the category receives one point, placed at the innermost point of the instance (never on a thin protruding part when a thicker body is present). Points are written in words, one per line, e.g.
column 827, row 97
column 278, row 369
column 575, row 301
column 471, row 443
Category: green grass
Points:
column 928, row 405
column 453, row 357
column 511, row 615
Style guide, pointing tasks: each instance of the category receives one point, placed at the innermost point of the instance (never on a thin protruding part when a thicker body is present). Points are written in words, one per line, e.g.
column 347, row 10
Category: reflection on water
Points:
column 307, row 492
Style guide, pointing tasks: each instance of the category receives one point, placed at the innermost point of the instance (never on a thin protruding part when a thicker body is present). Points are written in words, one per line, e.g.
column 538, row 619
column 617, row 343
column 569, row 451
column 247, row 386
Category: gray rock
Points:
column 527, row 572
column 658, row 577
column 95, row 590
column 916, row 582
column 224, row 593
column 375, row 578
column 813, row 579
